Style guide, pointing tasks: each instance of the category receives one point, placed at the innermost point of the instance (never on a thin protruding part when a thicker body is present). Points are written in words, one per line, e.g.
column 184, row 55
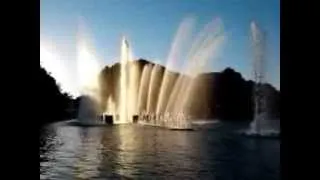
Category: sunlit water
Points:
column 213, row 151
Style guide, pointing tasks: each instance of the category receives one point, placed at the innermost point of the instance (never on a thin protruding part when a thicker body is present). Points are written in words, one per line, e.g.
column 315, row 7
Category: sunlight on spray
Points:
column 179, row 43
column 87, row 63
column 204, row 48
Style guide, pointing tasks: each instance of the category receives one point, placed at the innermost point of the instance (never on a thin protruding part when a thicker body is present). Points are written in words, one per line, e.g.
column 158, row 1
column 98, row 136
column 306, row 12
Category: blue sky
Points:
column 151, row 25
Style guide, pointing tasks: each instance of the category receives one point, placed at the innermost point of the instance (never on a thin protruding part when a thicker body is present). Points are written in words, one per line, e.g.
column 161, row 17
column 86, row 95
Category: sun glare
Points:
column 50, row 60
column 88, row 66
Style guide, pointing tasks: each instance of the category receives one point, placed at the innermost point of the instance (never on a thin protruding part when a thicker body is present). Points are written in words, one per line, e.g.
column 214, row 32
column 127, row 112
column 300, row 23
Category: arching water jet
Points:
column 200, row 62
column 203, row 48
column 183, row 34
column 168, row 81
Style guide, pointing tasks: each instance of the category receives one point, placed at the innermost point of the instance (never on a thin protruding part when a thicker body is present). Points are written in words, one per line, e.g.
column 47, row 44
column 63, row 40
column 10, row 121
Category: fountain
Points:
column 123, row 110
column 164, row 100
column 262, row 125
column 88, row 69
column 158, row 97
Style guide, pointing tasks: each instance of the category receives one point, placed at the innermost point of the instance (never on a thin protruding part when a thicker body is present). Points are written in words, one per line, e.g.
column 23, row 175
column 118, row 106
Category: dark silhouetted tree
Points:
column 53, row 105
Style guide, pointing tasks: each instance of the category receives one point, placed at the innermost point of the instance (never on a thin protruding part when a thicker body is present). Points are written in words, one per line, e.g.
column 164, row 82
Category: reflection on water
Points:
column 129, row 151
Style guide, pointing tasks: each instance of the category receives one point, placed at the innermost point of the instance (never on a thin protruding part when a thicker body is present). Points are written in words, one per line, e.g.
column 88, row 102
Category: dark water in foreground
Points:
column 136, row 152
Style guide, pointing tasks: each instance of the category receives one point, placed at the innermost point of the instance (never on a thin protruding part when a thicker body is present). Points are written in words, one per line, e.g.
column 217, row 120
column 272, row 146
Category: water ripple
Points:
column 131, row 152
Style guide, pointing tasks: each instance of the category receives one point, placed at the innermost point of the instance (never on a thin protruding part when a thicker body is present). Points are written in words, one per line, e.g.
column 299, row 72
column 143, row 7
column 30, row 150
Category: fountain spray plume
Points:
column 182, row 79
column 258, row 45
column 183, row 33
column 123, row 114
column 110, row 109
column 209, row 50
column 88, row 70
column 133, row 88
column 155, row 81
column 143, row 89
column 87, row 62
column 179, row 43
column 204, row 47
column 132, row 79
column 212, row 29
column 261, row 124
column 258, row 72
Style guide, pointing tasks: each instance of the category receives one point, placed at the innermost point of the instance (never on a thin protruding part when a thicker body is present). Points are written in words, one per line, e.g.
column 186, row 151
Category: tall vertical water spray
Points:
column 154, row 87
column 133, row 85
column 88, row 70
column 144, row 88
column 123, row 109
column 110, row 108
column 258, row 73
column 261, row 125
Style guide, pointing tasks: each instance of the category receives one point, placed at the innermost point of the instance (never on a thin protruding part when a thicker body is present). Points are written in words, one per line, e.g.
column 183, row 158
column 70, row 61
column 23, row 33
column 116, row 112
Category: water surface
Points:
column 213, row 151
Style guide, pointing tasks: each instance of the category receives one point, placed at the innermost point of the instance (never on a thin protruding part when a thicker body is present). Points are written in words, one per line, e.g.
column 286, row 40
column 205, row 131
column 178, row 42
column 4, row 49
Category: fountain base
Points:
column 181, row 129
column 107, row 119
column 135, row 118
column 175, row 123
column 261, row 134
column 100, row 120
column 84, row 124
